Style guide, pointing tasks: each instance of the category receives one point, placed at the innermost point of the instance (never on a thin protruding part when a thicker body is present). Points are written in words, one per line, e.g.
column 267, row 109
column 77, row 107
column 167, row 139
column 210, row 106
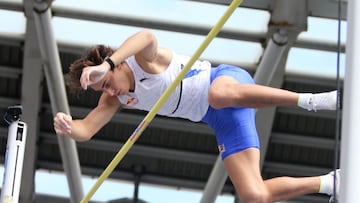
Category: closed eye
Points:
column 105, row 85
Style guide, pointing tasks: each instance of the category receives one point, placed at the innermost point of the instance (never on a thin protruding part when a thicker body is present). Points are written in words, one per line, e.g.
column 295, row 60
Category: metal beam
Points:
column 10, row 72
column 311, row 80
column 183, row 28
column 170, row 124
column 318, row 8
column 181, row 155
column 31, row 95
column 301, row 140
column 12, row 5
column 124, row 20
column 215, row 183
column 287, row 21
column 270, row 71
column 170, row 26
column 158, row 122
column 301, row 112
column 147, row 151
column 58, row 97
column 293, row 169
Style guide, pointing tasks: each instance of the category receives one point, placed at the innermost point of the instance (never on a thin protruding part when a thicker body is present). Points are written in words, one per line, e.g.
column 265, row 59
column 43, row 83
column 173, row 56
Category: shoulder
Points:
column 160, row 62
column 108, row 101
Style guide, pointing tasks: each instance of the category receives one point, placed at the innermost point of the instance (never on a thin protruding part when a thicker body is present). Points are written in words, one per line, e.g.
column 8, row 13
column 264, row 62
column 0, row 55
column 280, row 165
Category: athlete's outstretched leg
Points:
column 225, row 91
column 244, row 171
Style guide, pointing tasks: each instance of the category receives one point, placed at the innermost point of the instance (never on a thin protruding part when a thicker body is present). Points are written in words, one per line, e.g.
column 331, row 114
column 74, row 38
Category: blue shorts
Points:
column 234, row 127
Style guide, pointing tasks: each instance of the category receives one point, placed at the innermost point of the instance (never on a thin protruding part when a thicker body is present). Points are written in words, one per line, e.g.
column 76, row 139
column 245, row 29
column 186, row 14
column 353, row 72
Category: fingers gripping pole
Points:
column 148, row 118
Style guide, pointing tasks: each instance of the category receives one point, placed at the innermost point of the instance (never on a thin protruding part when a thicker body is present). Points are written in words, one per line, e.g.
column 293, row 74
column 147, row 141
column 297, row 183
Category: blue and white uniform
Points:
column 234, row 127
column 189, row 99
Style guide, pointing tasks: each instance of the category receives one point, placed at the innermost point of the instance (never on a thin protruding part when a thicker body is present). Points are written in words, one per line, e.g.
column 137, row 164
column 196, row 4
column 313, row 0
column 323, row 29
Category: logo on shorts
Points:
column 221, row 148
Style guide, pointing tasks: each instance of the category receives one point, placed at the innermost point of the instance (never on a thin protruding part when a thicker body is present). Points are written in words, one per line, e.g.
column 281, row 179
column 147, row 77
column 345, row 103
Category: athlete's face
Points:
column 114, row 83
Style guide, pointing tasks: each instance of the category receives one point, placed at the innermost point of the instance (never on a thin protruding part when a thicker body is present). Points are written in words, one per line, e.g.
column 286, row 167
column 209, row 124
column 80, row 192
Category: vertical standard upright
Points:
column 14, row 156
column 350, row 160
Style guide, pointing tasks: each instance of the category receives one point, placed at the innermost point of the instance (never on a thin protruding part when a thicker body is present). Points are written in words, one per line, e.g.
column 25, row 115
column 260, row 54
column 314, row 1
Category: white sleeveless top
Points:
column 193, row 102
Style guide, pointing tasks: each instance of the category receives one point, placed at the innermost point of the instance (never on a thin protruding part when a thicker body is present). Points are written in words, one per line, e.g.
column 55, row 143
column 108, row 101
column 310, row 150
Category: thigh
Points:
column 228, row 75
column 244, row 171
column 226, row 88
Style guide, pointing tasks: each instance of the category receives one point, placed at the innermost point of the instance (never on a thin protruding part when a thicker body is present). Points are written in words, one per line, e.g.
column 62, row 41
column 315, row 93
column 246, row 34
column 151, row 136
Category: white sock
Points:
column 326, row 184
column 318, row 101
column 304, row 101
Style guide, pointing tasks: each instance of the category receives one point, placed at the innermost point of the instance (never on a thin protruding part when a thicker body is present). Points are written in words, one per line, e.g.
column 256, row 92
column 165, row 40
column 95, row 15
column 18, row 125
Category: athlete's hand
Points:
column 62, row 123
column 93, row 74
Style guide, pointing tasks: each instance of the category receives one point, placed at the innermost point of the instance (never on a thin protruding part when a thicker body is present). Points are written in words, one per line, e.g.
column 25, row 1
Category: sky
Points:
column 253, row 21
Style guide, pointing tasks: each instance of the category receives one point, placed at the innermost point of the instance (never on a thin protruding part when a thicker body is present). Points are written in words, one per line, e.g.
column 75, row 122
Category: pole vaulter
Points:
column 152, row 113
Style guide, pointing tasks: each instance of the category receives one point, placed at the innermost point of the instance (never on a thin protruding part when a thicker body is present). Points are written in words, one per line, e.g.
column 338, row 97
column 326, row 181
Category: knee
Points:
column 217, row 98
column 214, row 99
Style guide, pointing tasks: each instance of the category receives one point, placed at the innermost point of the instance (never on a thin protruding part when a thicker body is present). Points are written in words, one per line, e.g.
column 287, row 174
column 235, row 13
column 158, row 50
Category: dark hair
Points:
column 93, row 56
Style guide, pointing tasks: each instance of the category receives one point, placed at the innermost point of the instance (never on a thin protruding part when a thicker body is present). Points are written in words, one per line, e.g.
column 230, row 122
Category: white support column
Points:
column 350, row 159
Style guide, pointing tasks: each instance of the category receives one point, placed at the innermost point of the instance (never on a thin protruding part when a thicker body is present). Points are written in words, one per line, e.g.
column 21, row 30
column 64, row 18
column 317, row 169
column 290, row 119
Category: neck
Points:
column 129, row 75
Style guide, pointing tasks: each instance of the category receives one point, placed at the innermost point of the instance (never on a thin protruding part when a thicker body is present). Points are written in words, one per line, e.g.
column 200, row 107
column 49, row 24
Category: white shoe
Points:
column 323, row 101
column 335, row 198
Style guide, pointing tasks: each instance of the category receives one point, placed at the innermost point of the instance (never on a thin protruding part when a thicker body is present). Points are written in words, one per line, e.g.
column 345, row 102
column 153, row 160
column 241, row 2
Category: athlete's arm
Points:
column 84, row 129
column 142, row 44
